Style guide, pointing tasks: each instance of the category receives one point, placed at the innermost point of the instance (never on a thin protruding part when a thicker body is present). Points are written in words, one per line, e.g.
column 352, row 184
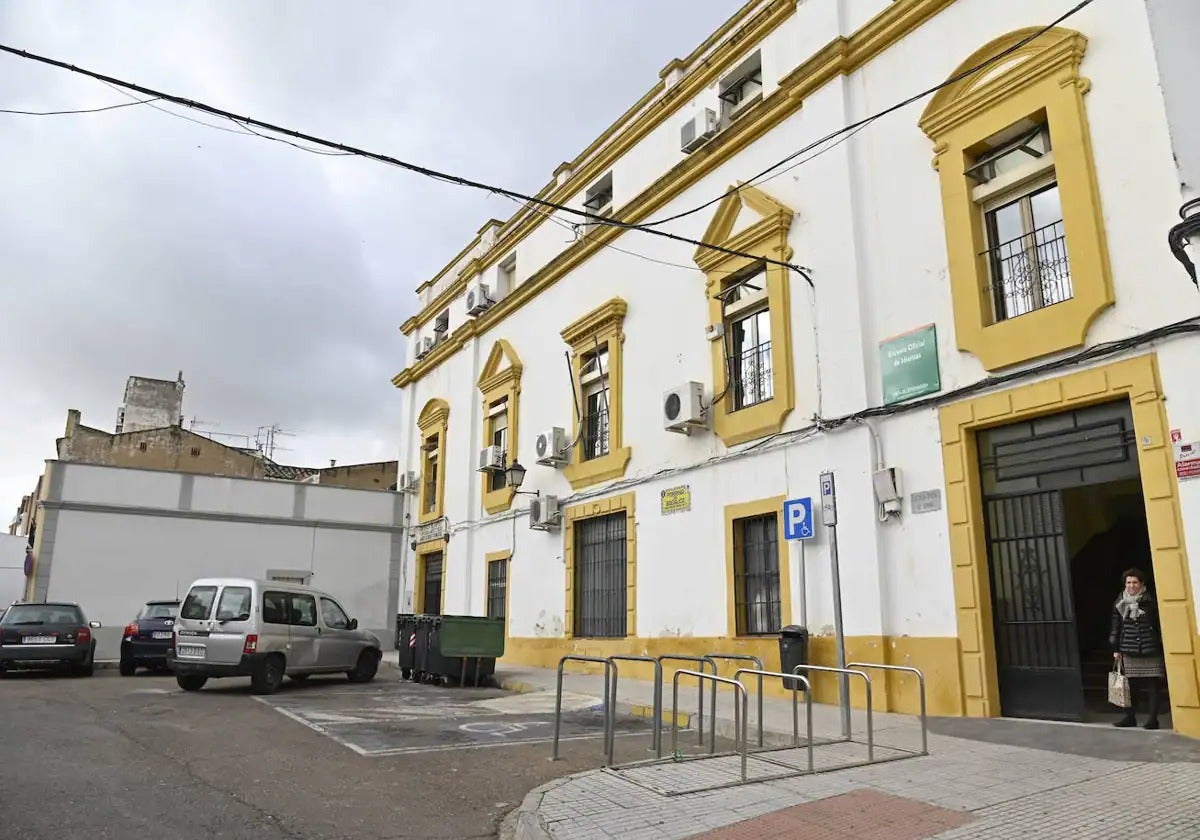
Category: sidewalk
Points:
column 1083, row 782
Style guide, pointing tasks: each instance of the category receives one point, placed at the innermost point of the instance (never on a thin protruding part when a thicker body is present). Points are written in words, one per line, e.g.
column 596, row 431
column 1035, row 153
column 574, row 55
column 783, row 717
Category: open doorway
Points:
column 1064, row 517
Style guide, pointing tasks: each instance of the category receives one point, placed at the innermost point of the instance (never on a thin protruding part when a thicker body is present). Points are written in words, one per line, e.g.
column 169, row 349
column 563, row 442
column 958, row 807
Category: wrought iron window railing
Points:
column 750, row 376
column 1030, row 272
column 595, row 434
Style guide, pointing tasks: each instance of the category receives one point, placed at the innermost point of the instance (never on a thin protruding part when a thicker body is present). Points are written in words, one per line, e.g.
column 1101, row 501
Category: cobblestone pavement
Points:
column 963, row 789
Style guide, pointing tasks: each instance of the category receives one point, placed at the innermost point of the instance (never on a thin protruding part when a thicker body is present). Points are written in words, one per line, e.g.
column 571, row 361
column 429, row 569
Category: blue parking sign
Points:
column 798, row 519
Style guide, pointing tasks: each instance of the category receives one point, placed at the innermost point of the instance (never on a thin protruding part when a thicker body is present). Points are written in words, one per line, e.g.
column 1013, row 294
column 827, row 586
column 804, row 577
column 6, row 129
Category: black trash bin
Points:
column 406, row 643
column 793, row 651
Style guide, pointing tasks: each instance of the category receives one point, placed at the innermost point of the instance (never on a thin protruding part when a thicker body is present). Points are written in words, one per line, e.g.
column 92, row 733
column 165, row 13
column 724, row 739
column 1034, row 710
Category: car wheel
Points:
column 128, row 669
column 268, row 676
column 87, row 668
column 364, row 671
column 190, row 682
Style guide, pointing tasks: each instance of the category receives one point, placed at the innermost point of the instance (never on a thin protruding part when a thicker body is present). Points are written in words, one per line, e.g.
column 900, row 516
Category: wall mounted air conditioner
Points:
column 683, row 408
column 491, row 459
column 544, row 514
column 409, row 482
column 551, row 447
column 697, row 130
column 478, row 299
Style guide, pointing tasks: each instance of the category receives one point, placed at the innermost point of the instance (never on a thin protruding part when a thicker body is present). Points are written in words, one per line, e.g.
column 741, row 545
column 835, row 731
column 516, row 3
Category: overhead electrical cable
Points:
column 246, row 122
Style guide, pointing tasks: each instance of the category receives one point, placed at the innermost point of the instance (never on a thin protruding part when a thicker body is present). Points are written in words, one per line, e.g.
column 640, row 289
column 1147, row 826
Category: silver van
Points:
column 239, row 627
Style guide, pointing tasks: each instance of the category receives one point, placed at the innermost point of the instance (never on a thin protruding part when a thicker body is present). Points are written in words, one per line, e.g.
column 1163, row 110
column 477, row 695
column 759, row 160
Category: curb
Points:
column 524, row 822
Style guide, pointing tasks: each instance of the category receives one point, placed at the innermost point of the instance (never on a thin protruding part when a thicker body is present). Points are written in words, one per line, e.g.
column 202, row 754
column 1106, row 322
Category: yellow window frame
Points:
column 499, row 381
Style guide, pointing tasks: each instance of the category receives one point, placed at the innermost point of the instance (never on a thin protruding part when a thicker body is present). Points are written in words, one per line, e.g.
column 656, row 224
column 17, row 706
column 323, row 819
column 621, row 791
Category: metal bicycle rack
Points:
column 656, row 736
column 703, row 660
column 739, row 657
column 921, row 685
column 715, row 771
column 609, row 712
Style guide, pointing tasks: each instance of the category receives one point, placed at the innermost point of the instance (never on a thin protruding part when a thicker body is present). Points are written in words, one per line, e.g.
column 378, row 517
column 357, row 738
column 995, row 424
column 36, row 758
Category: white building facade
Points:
column 992, row 355
column 113, row 538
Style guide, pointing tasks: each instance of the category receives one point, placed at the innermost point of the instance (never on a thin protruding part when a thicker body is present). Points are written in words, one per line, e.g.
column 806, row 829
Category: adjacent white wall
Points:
column 12, row 568
column 116, row 538
column 869, row 224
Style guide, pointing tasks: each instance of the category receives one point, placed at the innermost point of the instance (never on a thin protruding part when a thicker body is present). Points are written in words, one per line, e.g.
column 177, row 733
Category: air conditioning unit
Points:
column 491, row 459
column 424, row 348
column 478, row 299
column 695, row 132
column 683, row 408
column 551, row 447
column 409, row 482
column 544, row 514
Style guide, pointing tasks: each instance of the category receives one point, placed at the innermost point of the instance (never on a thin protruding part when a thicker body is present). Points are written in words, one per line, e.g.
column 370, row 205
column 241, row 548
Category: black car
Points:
column 148, row 638
column 47, row 635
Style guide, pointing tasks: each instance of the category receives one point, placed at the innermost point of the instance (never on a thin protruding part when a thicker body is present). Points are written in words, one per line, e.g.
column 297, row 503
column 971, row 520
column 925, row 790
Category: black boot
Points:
column 1153, row 688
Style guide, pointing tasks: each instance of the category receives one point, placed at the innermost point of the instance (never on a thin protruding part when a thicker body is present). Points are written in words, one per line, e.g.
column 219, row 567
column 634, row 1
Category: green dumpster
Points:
column 459, row 648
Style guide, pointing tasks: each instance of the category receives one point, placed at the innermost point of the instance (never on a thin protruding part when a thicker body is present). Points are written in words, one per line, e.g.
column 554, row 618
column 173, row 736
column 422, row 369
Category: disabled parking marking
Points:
column 405, row 719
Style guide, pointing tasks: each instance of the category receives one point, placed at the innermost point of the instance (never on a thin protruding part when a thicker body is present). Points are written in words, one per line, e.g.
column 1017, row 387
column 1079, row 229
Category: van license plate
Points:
column 163, row 634
column 190, row 651
column 39, row 640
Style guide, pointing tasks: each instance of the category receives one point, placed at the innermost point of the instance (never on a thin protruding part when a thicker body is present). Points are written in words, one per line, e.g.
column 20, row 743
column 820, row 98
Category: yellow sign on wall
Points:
column 676, row 499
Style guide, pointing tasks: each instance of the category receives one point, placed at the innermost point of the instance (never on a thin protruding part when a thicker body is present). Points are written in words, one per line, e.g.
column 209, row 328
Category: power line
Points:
column 863, row 123
column 246, row 122
column 79, row 111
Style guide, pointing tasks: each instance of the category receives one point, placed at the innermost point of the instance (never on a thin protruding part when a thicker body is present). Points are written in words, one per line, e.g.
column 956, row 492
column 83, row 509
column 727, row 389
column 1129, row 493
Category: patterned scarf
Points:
column 1130, row 606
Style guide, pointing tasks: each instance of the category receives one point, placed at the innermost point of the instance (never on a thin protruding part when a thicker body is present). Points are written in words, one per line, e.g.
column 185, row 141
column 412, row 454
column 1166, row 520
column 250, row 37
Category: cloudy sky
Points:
column 133, row 242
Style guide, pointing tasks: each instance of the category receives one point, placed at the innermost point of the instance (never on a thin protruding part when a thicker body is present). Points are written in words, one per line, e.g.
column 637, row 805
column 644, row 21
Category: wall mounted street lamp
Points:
column 1186, row 233
column 515, row 475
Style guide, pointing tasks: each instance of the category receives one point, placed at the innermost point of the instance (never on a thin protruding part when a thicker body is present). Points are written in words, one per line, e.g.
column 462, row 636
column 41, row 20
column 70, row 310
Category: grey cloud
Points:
column 132, row 242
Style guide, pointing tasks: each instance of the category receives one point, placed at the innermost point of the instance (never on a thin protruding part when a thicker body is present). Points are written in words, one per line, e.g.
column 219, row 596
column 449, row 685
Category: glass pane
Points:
column 1006, row 223
column 235, row 603
column 1046, row 206
column 304, row 611
column 199, row 602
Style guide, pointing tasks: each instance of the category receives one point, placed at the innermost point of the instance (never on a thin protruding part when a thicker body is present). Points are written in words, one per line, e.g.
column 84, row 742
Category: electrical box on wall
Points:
column 889, row 490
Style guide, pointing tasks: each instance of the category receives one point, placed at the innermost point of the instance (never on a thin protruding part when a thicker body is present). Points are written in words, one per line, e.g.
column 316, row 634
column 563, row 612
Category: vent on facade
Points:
column 424, row 348
column 142, row 446
column 696, row 131
column 551, row 447
column 408, row 482
column 683, row 408
column 544, row 514
column 442, row 323
column 195, row 451
column 491, row 459
column 478, row 299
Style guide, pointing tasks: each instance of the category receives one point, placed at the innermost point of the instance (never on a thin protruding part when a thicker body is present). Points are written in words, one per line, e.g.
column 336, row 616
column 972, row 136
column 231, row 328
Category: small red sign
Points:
column 1176, row 435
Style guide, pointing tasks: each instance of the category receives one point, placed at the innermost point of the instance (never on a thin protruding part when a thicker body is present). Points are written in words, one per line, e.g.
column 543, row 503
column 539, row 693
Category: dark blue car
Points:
column 149, row 637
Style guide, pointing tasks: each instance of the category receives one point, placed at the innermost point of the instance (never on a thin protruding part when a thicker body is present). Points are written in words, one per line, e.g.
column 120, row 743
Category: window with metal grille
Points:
column 600, row 572
column 429, row 496
column 746, row 309
column 498, row 423
column 497, row 596
column 593, row 376
column 1017, row 188
column 757, row 593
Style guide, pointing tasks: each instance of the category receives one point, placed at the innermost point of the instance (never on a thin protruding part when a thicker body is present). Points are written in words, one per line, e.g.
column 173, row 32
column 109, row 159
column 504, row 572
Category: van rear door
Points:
column 194, row 622
column 232, row 620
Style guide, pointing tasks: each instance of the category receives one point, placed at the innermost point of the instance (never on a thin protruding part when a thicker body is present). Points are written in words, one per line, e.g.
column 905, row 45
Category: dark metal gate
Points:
column 431, row 598
column 600, row 593
column 1037, row 648
column 1025, row 468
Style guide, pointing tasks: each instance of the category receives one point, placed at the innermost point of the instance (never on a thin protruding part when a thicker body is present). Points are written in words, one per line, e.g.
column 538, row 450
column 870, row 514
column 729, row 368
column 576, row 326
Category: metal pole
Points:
column 839, row 633
column 558, row 710
column 675, row 714
column 610, row 718
column 803, row 589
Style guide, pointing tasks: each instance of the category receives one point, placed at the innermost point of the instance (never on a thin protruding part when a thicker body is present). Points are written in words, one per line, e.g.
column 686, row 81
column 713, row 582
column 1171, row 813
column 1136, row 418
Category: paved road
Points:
column 112, row 757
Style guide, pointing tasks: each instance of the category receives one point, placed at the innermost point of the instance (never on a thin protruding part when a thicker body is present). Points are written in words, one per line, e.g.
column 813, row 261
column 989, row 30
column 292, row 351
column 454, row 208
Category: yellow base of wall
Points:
column 938, row 659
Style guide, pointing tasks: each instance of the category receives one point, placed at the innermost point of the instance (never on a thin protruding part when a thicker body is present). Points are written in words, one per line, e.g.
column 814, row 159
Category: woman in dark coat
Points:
column 1136, row 640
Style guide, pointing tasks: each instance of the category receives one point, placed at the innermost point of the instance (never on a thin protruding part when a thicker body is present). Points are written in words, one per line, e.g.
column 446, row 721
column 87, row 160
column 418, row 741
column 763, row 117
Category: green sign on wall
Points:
column 909, row 364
